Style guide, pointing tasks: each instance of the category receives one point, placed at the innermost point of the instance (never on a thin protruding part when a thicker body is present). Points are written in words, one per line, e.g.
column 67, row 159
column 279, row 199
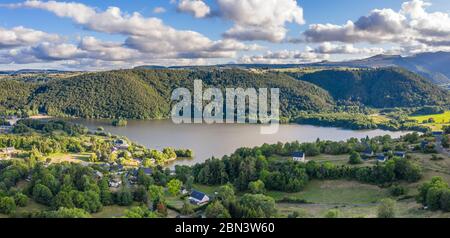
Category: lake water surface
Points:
column 221, row 139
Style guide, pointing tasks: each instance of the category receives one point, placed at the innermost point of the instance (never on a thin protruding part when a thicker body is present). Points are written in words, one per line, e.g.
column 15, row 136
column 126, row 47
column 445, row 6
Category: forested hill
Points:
column 380, row 88
column 144, row 94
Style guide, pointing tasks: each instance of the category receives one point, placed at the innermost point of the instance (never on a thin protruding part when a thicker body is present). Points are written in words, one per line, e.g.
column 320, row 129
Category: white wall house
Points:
column 299, row 157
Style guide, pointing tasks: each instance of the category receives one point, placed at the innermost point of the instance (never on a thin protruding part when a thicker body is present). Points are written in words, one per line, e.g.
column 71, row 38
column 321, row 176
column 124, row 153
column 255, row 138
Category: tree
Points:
column 257, row 187
column 355, row 158
column 156, row 194
column 140, row 212
column 63, row 199
column 124, row 197
column 93, row 203
column 42, row 194
column 433, row 200
column 387, row 208
column 437, row 183
column 446, row 130
column 187, row 208
column 64, row 212
column 105, row 194
column 216, row 210
column 93, row 158
column 7, row 205
column 257, row 206
column 21, row 199
column 226, row 195
column 398, row 190
column 445, row 200
column 174, row 187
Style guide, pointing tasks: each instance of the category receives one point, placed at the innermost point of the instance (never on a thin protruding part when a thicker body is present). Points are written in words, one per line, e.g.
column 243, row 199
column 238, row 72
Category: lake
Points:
column 221, row 139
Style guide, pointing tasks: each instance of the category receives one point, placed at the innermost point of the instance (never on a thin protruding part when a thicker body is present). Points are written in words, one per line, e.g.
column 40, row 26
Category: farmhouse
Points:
column 299, row 157
column 198, row 198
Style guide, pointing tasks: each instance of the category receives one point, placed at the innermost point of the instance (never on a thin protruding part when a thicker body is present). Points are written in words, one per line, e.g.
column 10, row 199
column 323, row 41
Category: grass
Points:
column 111, row 212
column 440, row 120
column 209, row 190
column 354, row 199
column 175, row 202
column 335, row 192
column 32, row 206
column 377, row 118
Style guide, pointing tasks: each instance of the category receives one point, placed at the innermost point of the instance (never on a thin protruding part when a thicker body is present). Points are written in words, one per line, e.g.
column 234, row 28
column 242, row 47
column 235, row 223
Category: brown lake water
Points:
column 221, row 139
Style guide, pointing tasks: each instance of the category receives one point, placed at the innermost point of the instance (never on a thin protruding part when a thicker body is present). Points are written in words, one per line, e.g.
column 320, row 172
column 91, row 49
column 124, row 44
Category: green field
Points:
column 111, row 212
column 440, row 120
column 335, row 192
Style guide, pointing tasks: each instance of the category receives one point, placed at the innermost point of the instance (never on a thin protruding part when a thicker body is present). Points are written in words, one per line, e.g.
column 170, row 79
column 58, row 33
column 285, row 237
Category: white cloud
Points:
column 20, row 36
column 412, row 25
column 283, row 57
column 158, row 10
column 197, row 8
column 329, row 48
column 379, row 26
column 147, row 35
column 260, row 19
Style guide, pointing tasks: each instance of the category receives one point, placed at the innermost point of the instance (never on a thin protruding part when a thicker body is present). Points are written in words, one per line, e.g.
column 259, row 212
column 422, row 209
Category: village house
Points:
column 147, row 171
column 400, row 154
column 98, row 174
column 115, row 182
column 438, row 133
column 198, row 198
column 121, row 144
column 368, row 153
column 381, row 158
column 299, row 157
column 5, row 129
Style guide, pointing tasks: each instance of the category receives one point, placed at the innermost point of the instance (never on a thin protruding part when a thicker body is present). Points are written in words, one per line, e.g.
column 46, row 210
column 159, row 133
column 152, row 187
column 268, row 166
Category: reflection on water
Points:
column 221, row 139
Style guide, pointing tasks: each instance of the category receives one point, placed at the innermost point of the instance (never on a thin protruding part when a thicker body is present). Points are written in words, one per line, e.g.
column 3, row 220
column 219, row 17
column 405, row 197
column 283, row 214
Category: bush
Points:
column 333, row 213
column 397, row 190
column 7, row 205
column 387, row 208
column 119, row 122
column 355, row 158
column 21, row 199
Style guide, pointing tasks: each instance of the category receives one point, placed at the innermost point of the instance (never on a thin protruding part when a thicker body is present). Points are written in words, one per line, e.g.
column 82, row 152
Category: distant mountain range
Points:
column 32, row 71
column 434, row 66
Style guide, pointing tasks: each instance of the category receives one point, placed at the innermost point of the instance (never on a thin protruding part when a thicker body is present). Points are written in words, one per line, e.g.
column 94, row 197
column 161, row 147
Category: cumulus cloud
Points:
column 21, row 36
column 149, row 36
column 197, row 8
column 379, row 26
column 260, row 19
column 412, row 25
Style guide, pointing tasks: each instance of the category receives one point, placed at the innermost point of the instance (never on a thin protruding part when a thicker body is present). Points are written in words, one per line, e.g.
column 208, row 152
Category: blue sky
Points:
column 36, row 34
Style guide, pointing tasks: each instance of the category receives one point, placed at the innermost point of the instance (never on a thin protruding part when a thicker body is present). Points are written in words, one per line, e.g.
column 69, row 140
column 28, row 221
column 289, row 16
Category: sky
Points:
column 102, row 34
